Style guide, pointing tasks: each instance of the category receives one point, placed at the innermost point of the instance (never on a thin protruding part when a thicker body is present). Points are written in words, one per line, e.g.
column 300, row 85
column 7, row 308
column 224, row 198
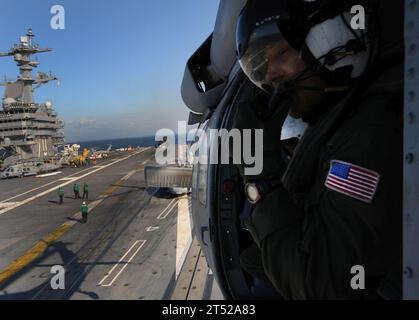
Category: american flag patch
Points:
column 352, row 180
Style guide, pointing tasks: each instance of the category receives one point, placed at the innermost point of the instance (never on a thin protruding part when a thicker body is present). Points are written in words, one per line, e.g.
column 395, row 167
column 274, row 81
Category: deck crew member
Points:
column 76, row 190
column 85, row 191
column 84, row 209
column 60, row 193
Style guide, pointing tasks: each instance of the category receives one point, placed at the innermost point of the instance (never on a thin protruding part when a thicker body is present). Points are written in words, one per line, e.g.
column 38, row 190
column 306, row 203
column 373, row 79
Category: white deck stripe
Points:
column 166, row 212
column 184, row 234
column 95, row 203
column 48, row 174
column 69, row 177
column 64, row 184
column 125, row 264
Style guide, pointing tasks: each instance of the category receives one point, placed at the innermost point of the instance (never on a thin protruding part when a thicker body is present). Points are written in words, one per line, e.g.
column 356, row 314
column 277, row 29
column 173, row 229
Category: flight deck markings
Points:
column 167, row 210
column 48, row 174
column 136, row 247
column 4, row 210
column 67, row 179
column 151, row 228
column 8, row 204
column 34, row 252
column 43, row 186
column 184, row 233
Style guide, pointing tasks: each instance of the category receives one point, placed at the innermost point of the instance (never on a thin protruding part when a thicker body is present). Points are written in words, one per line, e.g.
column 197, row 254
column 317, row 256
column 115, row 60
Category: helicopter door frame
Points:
column 411, row 153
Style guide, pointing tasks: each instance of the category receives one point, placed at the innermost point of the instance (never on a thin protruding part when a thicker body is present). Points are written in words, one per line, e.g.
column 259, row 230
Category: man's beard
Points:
column 305, row 103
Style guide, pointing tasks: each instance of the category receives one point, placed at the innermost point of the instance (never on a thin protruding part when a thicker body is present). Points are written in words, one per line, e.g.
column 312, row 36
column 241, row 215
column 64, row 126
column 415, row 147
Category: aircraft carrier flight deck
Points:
column 133, row 246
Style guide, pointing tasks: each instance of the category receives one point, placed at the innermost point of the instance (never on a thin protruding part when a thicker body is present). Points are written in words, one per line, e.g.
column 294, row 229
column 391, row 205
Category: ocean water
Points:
column 148, row 141
column 117, row 143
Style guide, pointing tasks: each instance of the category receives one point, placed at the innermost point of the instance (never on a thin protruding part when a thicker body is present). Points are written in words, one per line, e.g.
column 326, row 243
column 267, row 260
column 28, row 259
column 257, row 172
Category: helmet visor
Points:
column 269, row 61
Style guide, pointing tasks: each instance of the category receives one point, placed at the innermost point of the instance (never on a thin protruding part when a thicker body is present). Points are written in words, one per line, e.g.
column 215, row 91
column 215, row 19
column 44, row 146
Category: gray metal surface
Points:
column 201, row 87
column 206, row 72
column 223, row 47
column 168, row 177
column 411, row 147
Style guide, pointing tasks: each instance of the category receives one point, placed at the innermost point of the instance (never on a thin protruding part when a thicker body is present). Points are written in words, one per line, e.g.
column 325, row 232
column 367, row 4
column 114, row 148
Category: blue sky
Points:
column 120, row 62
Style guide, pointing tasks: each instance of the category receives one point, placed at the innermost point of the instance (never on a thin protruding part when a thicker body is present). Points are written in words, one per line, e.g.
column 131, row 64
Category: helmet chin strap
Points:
column 280, row 100
column 320, row 89
column 328, row 89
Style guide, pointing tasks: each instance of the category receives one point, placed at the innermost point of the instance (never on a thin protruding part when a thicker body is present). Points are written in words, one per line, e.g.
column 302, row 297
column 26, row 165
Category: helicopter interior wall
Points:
column 234, row 239
column 392, row 11
column 232, row 207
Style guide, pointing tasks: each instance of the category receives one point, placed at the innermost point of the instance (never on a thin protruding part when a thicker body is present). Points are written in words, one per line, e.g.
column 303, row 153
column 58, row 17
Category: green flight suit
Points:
column 311, row 236
column 85, row 191
column 84, row 209
column 76, row 190
column 60, row 192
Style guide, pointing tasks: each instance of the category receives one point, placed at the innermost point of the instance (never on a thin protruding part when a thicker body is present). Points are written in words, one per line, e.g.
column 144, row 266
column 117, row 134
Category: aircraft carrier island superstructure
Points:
column 29, row 132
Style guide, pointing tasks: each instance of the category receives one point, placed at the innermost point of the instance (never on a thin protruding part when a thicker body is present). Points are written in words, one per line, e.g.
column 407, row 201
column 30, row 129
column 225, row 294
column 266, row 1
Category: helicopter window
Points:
column 202, row 183
column 195, row 181
column 196, row 155
column 203, row 166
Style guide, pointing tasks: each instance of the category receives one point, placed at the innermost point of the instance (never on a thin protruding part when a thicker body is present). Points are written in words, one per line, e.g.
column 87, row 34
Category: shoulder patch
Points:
column 352, row 180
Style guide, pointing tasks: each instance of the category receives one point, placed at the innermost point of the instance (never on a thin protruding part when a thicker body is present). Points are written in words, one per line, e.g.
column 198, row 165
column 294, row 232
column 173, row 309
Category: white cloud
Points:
column 87, row 122
column 135, row 124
